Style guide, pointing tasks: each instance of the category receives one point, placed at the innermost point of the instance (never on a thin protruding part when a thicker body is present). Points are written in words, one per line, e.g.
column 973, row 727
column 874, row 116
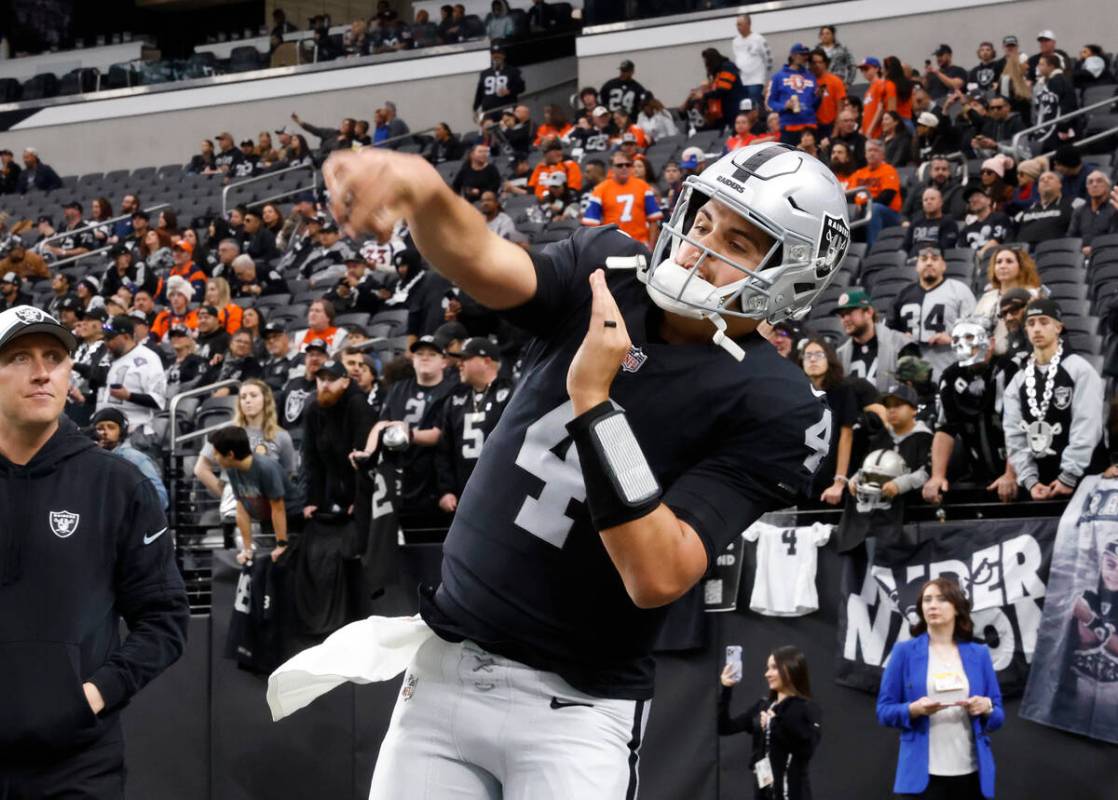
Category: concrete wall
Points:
column 668, row 62
column 162, row 128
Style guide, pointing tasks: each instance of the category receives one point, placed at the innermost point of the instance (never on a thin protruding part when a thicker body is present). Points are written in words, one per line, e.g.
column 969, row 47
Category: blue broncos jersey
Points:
column 524, row 573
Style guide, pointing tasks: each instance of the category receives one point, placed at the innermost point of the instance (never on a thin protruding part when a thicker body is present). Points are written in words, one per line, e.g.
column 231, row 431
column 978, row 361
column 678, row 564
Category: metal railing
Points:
column 264, row 176
column 1016, row 150
column 59, row 235
column 197, row 391
column 861, row 191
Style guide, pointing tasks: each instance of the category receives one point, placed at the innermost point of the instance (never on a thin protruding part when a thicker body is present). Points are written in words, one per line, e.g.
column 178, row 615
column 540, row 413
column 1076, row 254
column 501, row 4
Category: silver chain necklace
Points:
column 1040, row 432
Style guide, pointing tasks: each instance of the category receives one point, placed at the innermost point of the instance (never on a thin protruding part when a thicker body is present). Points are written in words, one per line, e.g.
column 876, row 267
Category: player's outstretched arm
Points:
column 658, row 556
column 372, row 188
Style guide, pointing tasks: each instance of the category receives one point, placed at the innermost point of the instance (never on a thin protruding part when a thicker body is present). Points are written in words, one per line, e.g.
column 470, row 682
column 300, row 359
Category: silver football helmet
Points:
column 786, row 193
column 970, row 339
column 880, row 467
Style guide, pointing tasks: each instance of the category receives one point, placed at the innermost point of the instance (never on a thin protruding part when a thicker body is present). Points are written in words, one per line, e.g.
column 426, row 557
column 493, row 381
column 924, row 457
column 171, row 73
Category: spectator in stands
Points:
column 655, row 120
column 743, row 125
column 9, row 173
column 558, row 201
column 299, row 153
column 928, row 309
column 1050, row 217
column 452, row 24
column 76, row 237
column 183, row 266
column 247, row 280
column 282, row 362
column 944, row 77
column 389, row 125
column 141, row 224
column 846, row 131
column 498, row 23
column 122, row 229
column 25, row 263
column 822, row 366
column 554, row 125
column 596, row 135
column 876, row 100
column 895, row 137
column 723, row 98
column 498, row 86
column 1054, row 411
column 624, row 91
column 884, row 185
column 495, row 218
column 628, row 133
column 986, row 228
column 203, row 162
column 516, row 128
column 11, row 292
column 261, row 242
column 829, row 90
column 900, row 88
column 88, row 292
column 330, row 139
column 477, row 175
column 1011, row 268
column 228, row 159
column 872, row 351
column 263, row 489
column 938, row 174
column 135, row 384
column 625, row 201
column 61, row 291
column 553, row 162
column 123, row 273
column 253, row 321
column 356, row 41
column 842, row 63
column 111, row 426
column 1097, row 216
column 931, row 226
column 179, row 294
column 1090, row 68
column 841, row 163
column 280, row 25
column 1068, row 162
column 444, row 146
column 218, row 296
column 984, row 76
column 792, row 94
column 753, row 58
column 1046, row 43
column 594, row 171
column 238, row 364
column 359, row 289
column 36, row 174
column 320, row 327
column 1053, row 96
column 212, row 338
column 934, row 136
column 999, row 125
column 992, row 175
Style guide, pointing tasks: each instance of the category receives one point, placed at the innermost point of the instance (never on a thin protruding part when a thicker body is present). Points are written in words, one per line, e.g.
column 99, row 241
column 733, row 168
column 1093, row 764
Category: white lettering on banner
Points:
column 999, row 577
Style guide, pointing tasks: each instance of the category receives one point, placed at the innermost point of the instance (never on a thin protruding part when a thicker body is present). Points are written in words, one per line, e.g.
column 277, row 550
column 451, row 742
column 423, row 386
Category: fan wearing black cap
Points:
column 283, row 362
column 76, row 237
column 1053, row 417
column 63, row 303
column 83, row 544
column 500, row 85
column 187, row 367
column 469, row 415
column 261, row 242
column 237, row 365
column 359, row 289
column 415, row 406
column 123, row 271
column 329, row 250
column 300, row 389
column 111, row 427
column 336, row 421
column 136, row 383
column 213, row 339
column 90, row 364
column 1011, row 311
column 11, row 292
column 623, row 92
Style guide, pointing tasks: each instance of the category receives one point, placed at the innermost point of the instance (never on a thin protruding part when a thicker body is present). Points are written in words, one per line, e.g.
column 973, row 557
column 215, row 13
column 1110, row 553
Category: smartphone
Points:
column 116, row 385
column 733, row 659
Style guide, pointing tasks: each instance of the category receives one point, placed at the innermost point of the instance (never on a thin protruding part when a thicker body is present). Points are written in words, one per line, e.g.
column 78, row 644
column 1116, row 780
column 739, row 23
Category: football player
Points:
column 651, row 425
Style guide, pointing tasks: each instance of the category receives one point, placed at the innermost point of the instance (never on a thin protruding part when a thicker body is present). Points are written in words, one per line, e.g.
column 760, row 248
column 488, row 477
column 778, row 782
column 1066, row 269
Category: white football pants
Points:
column 471, row 725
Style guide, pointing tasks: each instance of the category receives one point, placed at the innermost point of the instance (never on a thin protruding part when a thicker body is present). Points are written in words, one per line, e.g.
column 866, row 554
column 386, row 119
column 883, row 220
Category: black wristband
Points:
column 620, row 486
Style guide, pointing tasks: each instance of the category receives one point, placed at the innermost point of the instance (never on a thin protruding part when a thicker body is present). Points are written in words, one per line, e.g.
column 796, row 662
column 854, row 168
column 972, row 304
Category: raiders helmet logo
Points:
column 293, row 406
column 29, row 315
column 834, row 239
column 502, row 394
column 1062, row 397
column 64, row 523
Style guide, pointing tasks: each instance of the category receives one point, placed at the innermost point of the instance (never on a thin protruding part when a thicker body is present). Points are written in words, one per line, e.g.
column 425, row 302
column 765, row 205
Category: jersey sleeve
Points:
column 760, row 468
column 820, row 534
column 651, row 207
column 754, row 531
column 593, row 213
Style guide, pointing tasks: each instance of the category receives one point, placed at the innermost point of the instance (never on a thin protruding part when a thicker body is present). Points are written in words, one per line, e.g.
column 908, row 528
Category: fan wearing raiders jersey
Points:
column 415, row 404
column 1053, row 417
column 300, row 390
column 929, row 308
column 469, row 416
column 651, row 425
column 971, row 393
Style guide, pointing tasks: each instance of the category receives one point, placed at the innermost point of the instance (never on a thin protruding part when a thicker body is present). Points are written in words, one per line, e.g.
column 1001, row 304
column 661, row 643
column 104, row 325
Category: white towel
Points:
column 371, row 650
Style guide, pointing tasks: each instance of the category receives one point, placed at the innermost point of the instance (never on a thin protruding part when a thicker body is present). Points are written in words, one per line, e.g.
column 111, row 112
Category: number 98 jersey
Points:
column 524, row 573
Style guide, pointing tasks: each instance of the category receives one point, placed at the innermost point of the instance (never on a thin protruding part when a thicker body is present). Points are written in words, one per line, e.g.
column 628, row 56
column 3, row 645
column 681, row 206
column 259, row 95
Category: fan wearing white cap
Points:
column 651, row 425
column 1046, row 44
column 11, row 292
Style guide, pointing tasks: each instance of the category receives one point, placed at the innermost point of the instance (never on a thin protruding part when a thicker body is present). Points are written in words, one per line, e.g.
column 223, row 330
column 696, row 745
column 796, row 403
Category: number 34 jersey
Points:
column 524, row 573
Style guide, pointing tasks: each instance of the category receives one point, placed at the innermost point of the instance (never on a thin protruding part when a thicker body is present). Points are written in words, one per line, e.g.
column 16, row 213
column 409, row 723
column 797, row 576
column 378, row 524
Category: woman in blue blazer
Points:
column 940, row 690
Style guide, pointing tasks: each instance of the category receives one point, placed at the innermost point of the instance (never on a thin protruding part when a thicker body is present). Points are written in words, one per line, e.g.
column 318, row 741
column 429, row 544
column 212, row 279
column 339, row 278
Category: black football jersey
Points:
column 468, row 417
column 524, row 573
column 970, row 406
column 421, row 408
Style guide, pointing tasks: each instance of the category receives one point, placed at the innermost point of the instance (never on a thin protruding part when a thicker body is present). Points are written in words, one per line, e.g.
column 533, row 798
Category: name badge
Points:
column 948, row 682
column 764, row 772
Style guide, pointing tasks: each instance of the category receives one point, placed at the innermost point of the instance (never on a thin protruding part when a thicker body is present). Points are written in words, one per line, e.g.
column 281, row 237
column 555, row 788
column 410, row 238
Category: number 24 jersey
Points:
column 524, row 573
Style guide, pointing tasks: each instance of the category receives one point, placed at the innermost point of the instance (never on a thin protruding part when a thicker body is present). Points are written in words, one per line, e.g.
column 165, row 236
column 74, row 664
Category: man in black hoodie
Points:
column 82, row 546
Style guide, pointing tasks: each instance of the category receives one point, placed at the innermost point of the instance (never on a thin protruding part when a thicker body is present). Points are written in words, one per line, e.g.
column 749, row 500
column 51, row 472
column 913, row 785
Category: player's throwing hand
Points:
column 372, row 188
column 604, row 347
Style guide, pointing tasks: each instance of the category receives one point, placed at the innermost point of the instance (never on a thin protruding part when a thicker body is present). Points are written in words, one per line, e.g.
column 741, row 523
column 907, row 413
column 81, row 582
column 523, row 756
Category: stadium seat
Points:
column 11, row 90
column 79, row 81
column 879, row 261
column 829, row 328
column 1055, row 274
column 41, row 87
column 1070, row 244
column 272, row 300
column 359, row 318
column 119, row 76
column 1085, row 342
column 1062, row 292
column 244, row 59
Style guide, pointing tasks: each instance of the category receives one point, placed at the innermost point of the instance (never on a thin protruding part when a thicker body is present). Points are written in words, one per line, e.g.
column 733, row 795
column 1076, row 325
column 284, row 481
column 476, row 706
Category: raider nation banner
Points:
column 1074, row 685
column 1002, row 566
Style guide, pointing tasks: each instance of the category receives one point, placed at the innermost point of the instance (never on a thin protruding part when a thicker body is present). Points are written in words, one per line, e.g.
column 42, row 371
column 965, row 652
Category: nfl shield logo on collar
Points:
column 633, row 360
column 63, row 523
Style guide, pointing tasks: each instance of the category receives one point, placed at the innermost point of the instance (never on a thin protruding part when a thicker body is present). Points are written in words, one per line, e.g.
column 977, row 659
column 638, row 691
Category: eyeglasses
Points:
column 623, row 164
column 815, row 356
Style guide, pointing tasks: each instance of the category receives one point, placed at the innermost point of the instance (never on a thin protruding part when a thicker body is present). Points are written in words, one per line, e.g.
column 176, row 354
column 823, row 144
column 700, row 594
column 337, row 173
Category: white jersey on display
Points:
column 141, row 372
column 784, row 585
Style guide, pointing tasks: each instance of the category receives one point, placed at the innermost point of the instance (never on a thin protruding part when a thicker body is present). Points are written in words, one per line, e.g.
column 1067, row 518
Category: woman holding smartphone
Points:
column 785, row 725
column 941, row 691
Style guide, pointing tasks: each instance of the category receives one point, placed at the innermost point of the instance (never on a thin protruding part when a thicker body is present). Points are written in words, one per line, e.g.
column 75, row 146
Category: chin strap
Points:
column 640, row 264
